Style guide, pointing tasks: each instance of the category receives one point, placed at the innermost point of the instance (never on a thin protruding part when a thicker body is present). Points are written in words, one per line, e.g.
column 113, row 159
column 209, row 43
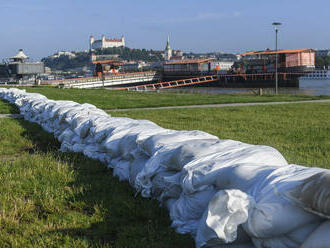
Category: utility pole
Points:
column 276, row 24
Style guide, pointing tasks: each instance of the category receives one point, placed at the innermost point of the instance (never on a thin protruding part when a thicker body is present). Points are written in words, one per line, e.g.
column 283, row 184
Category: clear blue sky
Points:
column 42, row 27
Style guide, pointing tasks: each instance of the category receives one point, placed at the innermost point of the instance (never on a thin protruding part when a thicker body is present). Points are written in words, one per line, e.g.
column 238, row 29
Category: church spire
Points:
column 168, row 50
column 168, row 47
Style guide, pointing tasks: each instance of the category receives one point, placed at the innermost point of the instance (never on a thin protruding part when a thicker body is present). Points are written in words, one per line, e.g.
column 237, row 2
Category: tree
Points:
column 322, row 62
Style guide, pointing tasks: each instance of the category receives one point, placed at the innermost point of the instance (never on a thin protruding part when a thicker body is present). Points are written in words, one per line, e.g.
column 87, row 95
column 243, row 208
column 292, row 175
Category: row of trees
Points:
column 64, row 62
column 126, row 53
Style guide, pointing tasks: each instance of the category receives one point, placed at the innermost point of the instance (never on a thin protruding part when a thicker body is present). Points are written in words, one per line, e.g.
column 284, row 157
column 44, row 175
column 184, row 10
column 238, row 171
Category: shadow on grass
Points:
column 122, row 219
column 8, row 108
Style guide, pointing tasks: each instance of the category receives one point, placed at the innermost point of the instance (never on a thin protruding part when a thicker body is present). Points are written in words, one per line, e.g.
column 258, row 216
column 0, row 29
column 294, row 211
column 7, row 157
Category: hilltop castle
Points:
column 105, row 43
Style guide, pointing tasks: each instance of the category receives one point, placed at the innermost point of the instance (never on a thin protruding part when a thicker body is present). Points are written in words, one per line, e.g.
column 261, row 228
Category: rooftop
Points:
column 269, row 52
column 20, row 55
column 112, row 40
column 107, row 62
column 192, row 61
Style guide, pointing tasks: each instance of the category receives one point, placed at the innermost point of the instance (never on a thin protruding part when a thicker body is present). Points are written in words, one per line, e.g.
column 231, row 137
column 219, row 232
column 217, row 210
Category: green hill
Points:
column 66, row 63
column 83, row 59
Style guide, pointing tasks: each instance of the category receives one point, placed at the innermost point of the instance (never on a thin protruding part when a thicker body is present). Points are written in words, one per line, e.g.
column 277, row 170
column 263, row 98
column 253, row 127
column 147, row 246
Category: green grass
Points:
column 108, row 99
column 7, row 108
column 52, row 199
column 299, row 131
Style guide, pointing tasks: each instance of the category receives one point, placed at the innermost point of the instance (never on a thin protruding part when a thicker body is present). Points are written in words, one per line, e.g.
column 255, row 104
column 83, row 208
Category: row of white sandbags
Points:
column 225, row 193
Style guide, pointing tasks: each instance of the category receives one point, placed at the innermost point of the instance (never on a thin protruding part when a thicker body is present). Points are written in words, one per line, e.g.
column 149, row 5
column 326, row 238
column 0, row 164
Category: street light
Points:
column 276, row 24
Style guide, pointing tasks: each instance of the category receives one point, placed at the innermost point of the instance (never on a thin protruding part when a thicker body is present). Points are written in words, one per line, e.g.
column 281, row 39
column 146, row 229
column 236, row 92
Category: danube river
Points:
column 307, row 86
column 315, row 86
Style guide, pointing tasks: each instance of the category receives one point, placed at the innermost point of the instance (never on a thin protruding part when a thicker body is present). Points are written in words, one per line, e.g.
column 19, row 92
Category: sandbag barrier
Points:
column 224, row 193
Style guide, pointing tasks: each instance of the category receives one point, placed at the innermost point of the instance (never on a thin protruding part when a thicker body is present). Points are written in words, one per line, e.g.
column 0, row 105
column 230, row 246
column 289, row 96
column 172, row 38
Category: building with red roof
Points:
column 289, row 60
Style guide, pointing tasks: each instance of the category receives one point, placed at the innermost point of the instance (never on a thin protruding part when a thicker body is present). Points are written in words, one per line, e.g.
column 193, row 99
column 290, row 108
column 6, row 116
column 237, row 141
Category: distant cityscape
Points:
column 65, row 64
column 152, row 57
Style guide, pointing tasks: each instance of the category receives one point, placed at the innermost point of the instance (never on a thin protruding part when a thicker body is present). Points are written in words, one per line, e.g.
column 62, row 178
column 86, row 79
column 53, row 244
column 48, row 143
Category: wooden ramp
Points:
column 171, row 84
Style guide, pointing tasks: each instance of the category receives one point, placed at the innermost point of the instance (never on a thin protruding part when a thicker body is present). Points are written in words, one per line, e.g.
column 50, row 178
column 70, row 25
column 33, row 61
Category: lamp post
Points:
column 276, row 24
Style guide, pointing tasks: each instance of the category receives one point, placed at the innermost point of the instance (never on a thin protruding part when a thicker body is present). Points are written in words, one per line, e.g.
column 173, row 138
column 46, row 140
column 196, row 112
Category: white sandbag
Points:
column 76, row 147
column 320, row 238
column 53, row 111
column 175, row 156
column 188, row 209
column 312, row 193
column 293, row 239
column 155, row 142
column 100, row 129
column 158, row 183
column 92, row 148
column 111, row 143
column 153, row 166
column 225, row 212
column 205, row 171
column 137, row 163
column 276, row 217
column 171, row 187
column 125, row 138
column 67, row 135
column 121, row 170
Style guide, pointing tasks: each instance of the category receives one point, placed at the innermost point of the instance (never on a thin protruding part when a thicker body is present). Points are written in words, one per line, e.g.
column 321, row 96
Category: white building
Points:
column 63, row 53
column 177, row 53
column 105, row 43
column 222, row 66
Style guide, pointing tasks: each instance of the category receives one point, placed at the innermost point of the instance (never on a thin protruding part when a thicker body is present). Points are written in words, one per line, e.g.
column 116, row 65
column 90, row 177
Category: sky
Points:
column 43, row 27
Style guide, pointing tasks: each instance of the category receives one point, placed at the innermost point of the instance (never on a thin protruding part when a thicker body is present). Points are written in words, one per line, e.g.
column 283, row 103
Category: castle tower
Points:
column 168, row 49
column 91, row 41
column 103, row 41
column 123, row 40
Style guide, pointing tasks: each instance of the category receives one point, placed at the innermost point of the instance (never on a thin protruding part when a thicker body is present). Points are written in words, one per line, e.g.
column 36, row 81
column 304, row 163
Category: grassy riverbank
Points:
column 54, row 199
column 108, row 99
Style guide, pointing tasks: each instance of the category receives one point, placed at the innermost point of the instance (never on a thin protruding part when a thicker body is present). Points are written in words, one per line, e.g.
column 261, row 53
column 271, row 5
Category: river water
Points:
column 314, row 87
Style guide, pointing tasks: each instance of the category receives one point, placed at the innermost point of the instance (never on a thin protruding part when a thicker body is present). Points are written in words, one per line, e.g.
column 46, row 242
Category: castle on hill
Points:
column 105, row 43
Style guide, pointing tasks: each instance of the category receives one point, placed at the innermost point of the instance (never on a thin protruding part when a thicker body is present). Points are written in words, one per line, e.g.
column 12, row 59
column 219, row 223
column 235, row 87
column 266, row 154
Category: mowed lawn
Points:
column 54, row 199
column 110, row 99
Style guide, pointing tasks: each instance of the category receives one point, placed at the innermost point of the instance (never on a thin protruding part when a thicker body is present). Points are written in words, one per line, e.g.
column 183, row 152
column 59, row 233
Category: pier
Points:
column 223, row 80
column 106, row 80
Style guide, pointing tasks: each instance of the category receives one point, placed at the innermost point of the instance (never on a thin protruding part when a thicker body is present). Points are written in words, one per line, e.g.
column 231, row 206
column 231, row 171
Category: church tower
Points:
column 168, row 50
